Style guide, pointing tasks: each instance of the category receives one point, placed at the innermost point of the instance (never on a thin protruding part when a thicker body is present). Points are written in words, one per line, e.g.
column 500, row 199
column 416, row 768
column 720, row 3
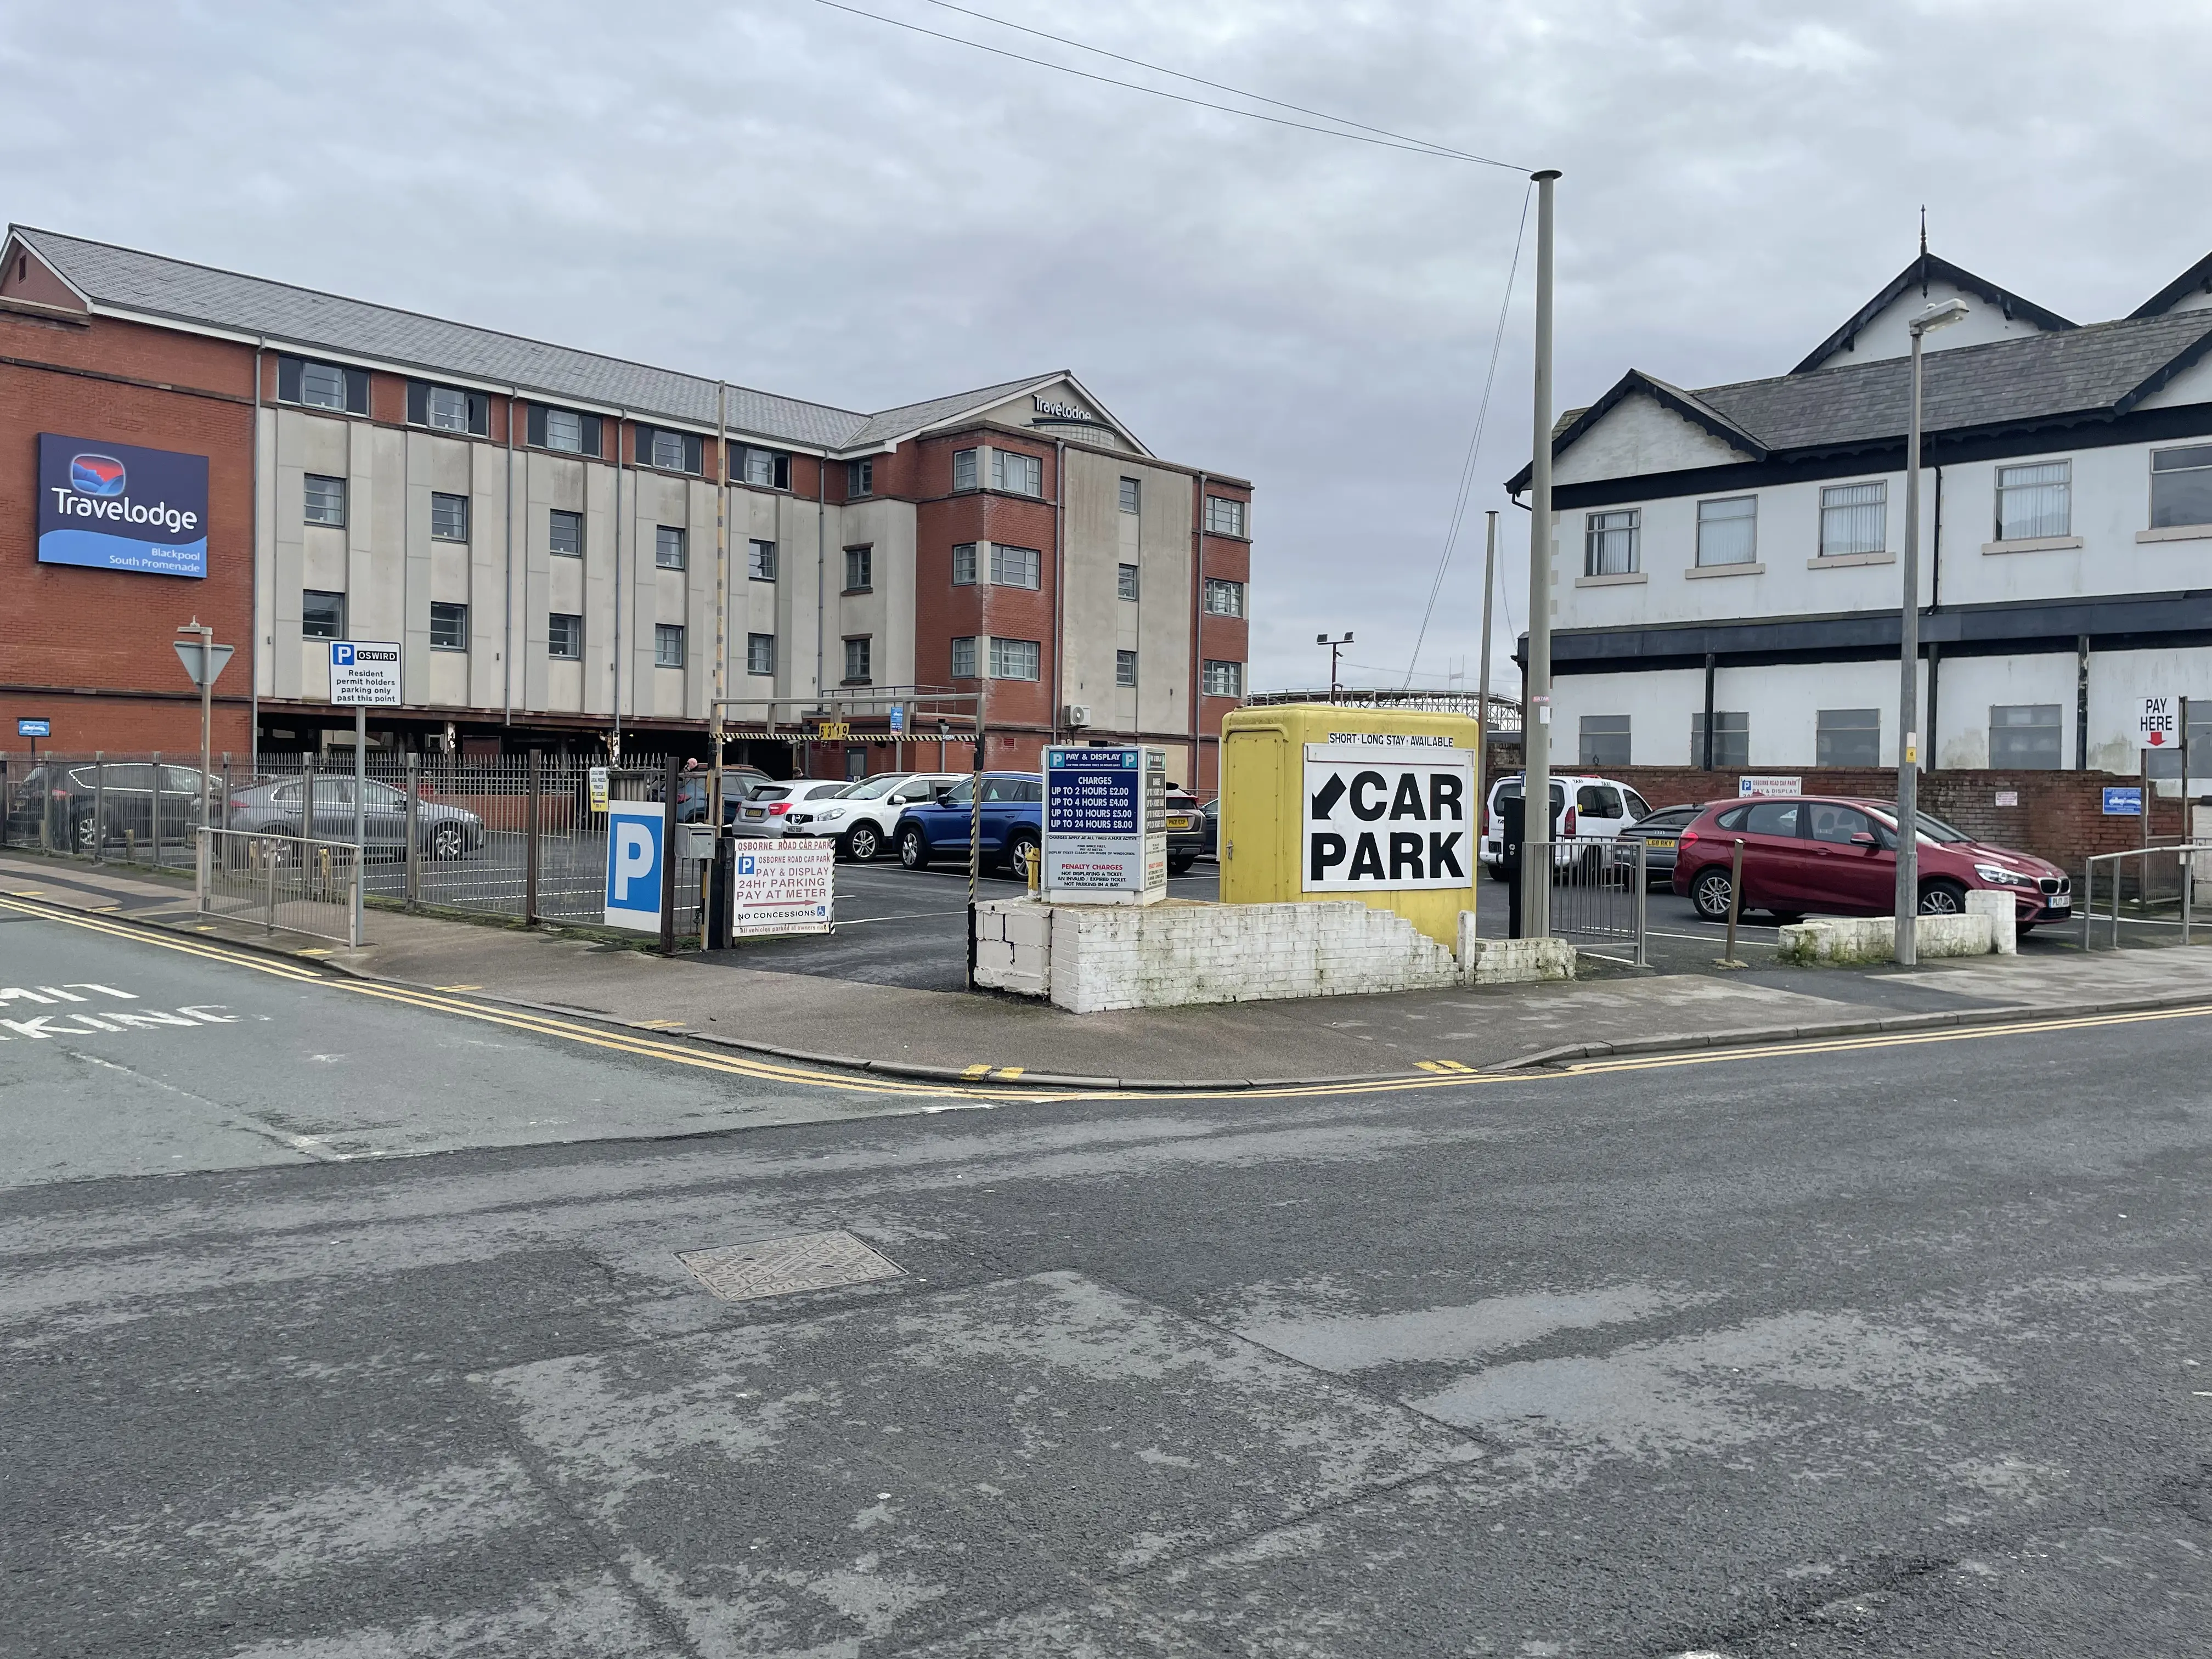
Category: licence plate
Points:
column 755, row 812
column 1661, row 841
column 1178, row 824
column 2062, row 901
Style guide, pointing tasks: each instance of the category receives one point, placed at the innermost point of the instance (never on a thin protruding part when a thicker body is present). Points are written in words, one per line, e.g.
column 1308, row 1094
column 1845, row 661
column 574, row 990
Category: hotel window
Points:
column 760, row 653
column 1223, row 598
column 1854, row 520
column 1609, row 541
column 1224, row 517
column 322, row 616
column 668, row 645
column 964, row 564
column 2024, row 737
column 860, row 570
column 964, row 658
column 564, row 637
column 859, row 477
column 963, row 469
column 564, row 534
column 325, row 500
column 1731, row 738
column 449, row 517
column 1847, row 737
column 2035, row 500
column 670, row 452
column 1020, row 474
column 1728, row 531
column 1131, row 495
column 1604, row 741
column 760, row 561
column 767, row 468
column 449, row 409
column 1225, row 679
column 2181, row 487
column 1015, row 567
column 1125, row 668
column 449, row 627
column 322, row 385
column 1125, row 581
column 859, row 655
column 668, row 549
column 1013, row 660
column 564, row 430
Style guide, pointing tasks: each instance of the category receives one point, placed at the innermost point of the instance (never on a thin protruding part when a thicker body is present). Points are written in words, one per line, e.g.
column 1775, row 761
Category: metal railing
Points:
column 1599, row 893
column 2166, row 880
column 287, row 883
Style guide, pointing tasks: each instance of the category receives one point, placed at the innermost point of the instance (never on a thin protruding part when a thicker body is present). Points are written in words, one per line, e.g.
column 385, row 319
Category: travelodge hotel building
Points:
column 537, row 528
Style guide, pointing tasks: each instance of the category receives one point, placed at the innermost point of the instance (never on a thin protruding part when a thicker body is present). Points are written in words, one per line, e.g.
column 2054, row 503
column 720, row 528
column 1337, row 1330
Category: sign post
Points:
column 1105, row 825
column 34, row 729
column 204, row 660
column 364, row 673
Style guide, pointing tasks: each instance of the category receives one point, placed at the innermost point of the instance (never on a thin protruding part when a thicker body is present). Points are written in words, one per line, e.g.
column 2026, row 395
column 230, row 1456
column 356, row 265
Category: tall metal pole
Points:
column 1908, row 692
column 1537, row 726
column 721, row 609
column 1482, row 693
column 360, row 813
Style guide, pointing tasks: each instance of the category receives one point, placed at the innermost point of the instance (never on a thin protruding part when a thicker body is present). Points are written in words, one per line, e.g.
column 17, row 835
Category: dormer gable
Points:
column 2191, row 291
column 1879, row 328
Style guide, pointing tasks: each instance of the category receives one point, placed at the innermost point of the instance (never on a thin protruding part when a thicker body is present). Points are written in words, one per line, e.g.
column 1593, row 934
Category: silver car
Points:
column 765, row 812
column 279, row 809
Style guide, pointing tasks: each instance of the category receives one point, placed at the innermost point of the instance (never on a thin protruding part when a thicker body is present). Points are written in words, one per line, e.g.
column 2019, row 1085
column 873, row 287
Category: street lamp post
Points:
column 1536, row 720
column 1334, row 646
column 1908, row 658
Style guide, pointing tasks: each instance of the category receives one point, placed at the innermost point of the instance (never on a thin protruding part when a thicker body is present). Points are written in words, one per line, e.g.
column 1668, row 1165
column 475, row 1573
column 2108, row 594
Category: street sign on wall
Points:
column 364, row 673
column 789, row 886
column 118, row 507
column 2123, row 802
column 1769, row 783
column 1386, row 812
column 634, row 864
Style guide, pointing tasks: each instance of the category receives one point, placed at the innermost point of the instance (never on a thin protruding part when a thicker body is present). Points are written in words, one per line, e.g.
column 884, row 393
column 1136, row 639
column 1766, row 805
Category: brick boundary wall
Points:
column 2060, row 815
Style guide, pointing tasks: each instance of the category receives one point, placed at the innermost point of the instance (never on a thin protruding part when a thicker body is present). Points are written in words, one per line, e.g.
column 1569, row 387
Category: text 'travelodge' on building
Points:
column 537, row 526
column 1735, row 549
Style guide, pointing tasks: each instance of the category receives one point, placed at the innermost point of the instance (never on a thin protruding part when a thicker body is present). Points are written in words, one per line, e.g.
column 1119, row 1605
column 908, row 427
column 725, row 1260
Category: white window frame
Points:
column 441, row 500
column 760, row 653
column 665, row 635
column 1024, row 571
column 964, row 564
column 1708, row 558
column 576, row 637
column 963, row 657
column 1127, row 580
column 1223, row 678
column 965, row 472
column 1226, row 516
column 445, row 409
column 760, row 559
column 1016, row 473
column 454, row 612
column 1836, row 513
column 333, row 499
column 2184, row 470
column 553, row 518
column 1016, row 659
column 2056, row 519
column 1125, row 668
column 669, row 538
column 865, row 646
column 1228, row 590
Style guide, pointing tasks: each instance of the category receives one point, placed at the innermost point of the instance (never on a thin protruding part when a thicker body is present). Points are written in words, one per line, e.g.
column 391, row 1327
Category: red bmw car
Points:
column 1835, row 856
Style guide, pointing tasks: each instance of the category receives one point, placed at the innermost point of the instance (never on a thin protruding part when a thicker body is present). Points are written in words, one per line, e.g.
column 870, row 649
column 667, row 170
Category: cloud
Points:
column 829, row 207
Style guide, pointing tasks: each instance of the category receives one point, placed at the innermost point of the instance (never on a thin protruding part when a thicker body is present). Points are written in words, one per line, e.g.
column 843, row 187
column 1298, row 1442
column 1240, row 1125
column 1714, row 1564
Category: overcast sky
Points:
column 812, row 202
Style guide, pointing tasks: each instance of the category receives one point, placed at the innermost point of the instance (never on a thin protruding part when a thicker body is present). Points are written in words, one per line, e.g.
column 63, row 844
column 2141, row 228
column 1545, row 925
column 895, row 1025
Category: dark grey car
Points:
column 278, row 808
column 1660, row 832
column 113, row 804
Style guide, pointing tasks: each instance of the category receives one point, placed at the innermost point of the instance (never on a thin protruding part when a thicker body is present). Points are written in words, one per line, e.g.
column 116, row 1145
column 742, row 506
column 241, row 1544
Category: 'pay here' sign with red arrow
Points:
column 1387, row 813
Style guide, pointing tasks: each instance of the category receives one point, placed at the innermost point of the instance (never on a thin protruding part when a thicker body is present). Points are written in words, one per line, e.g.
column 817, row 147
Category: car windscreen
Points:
column 1510, row 790
column 827, row 791
column 1932, row 829
column 875, row 788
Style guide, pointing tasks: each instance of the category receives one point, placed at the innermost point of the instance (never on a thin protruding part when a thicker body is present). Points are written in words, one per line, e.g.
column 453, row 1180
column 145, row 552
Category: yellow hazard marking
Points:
column 315, row 950
column 27, row 892
column 641, row 1025
column 1442, row 1065
column 460, row 987
column 1008, row 1074
column 974, row 1070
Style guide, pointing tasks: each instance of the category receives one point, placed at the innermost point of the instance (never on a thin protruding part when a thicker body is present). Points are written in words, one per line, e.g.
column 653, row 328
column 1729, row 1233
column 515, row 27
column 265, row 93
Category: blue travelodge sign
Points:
column 117, row 507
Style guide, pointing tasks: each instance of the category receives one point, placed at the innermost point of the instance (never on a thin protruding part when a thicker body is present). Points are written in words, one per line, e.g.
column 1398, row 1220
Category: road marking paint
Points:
column 188, row 947
column 306, row 1146
column 460, row 987
column 1444, row 1066
column 1008, row 1074
column 974, row 1070
column 27, row 892
column 641, row 1025
column 312, row 951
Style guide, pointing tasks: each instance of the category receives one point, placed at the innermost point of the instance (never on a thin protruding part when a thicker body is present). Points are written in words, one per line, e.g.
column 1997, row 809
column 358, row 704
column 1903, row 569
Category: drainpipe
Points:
column 615, row 746
column 1197, row 625
column 253, row 564
column 1935, row 604
column 821, row 557
column 1060, row 582
column 506, row 680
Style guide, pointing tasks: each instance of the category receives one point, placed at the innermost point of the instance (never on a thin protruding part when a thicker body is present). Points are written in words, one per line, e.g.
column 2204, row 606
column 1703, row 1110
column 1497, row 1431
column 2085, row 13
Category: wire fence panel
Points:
column 280, row 881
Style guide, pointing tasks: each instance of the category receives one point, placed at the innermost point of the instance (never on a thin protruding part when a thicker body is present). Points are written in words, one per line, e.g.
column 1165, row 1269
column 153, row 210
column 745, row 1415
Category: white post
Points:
column 360, row 815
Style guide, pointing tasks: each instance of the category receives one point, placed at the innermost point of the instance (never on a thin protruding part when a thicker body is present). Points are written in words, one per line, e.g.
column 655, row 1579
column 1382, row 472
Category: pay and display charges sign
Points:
column 1386, row 812
column 1105, row 822
column 784, row 886
column 364, row 673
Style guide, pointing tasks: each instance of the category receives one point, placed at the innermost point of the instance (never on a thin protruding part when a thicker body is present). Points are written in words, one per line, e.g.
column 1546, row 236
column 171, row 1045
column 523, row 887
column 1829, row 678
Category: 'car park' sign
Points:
column 1386, row 812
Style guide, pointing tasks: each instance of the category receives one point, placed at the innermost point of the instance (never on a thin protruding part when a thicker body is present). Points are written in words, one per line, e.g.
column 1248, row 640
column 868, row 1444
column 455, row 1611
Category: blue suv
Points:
column 1013, row 822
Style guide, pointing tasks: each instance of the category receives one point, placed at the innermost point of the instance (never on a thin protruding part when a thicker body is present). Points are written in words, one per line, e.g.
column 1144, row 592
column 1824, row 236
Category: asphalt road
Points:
column 1901, row 1348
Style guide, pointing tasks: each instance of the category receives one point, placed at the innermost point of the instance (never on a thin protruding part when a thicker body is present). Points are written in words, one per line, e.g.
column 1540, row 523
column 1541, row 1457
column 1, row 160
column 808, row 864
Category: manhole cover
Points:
column 777, row 1266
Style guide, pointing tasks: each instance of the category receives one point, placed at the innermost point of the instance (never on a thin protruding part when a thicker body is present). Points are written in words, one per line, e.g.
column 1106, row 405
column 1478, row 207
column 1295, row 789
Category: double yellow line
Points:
column 1432, row 1074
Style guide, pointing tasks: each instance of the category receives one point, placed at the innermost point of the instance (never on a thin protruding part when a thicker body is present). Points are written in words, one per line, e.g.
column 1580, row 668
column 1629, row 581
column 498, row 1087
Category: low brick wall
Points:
column 2059, row 815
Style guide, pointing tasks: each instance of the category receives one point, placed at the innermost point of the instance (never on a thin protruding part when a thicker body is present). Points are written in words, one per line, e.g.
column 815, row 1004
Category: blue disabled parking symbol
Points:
column 634, row 864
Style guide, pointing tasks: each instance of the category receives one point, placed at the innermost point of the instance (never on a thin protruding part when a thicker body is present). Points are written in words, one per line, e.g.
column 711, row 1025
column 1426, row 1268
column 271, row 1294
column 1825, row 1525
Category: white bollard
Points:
column 2004, row 917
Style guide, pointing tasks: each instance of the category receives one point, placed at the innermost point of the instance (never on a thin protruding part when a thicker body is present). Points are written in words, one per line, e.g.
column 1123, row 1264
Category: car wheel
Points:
column 1019, row 846
column 86, row 835
column 862, row 843
column 448, row 840
column 1182, row 866
column 1942, row 898
column 1709, row 894
column 913, row 849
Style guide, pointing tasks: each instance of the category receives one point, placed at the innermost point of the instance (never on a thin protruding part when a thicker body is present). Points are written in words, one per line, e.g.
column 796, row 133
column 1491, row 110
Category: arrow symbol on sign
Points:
column 1325, row 800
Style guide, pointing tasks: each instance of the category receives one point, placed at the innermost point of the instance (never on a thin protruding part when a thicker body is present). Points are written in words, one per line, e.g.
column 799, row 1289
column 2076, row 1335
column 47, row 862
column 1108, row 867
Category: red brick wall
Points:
column 2059, row 817
column 68, row 634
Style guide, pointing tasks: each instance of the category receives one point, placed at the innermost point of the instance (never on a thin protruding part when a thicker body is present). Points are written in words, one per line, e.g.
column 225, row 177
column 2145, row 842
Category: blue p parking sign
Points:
column 635, row 863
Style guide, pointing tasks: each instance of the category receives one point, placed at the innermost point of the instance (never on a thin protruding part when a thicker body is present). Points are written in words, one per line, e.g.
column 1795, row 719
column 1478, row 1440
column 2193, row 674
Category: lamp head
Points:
column 1941, row 315
column 1321, row 639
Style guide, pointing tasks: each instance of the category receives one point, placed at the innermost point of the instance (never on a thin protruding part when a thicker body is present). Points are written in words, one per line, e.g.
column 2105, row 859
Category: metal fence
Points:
column 130, row 808
column 2162, row 890
column 1598, row 893
column 280, row 882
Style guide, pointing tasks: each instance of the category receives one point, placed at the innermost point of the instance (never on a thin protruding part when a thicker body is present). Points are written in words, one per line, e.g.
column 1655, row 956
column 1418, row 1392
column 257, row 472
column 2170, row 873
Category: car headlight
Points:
column 1998, row 876
column 829, row 813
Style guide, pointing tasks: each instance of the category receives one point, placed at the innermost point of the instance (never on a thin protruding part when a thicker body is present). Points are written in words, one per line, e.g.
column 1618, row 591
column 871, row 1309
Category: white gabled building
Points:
column 1732, row 549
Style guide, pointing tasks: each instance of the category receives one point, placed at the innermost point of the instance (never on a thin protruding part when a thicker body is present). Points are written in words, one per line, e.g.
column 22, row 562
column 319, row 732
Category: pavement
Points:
column 766, row 999
column 1897, row 1343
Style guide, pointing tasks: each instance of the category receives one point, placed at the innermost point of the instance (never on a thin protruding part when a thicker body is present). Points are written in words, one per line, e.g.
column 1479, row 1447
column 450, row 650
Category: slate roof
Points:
column 2096, row 372
column 307, row 318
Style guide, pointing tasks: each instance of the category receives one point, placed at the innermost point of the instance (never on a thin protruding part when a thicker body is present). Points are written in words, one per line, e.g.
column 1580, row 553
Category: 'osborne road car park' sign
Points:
column 1385, row 812
column 117, row 506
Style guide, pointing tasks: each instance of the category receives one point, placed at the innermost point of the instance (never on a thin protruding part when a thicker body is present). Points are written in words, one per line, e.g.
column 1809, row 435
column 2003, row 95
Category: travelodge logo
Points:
column 98, row 475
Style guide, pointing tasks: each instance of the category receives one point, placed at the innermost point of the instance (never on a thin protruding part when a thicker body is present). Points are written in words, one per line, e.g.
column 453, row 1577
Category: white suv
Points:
column 860, row 820
column 1586, row 806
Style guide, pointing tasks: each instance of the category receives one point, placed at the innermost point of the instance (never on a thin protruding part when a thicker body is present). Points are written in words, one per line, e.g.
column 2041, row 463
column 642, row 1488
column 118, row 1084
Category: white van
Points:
column 1584, row 804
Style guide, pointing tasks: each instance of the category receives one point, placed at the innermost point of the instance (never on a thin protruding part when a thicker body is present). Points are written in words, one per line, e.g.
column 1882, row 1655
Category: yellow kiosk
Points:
column 1321, row 801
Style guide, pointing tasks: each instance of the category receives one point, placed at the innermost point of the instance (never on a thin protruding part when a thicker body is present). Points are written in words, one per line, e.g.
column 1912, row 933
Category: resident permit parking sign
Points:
column 365, row 673
column 1386, row 812
column 789, row 886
